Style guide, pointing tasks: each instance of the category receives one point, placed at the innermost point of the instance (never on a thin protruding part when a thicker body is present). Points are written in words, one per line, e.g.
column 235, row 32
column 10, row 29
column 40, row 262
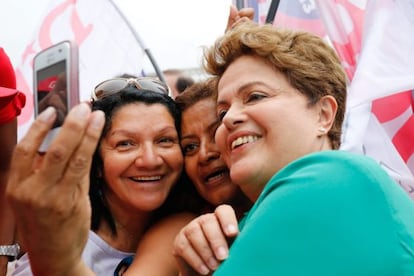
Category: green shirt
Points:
column 328, row 213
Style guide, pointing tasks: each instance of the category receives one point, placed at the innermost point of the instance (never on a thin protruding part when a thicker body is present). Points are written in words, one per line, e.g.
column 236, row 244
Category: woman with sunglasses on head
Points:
column 133, row 180
column 317, row 210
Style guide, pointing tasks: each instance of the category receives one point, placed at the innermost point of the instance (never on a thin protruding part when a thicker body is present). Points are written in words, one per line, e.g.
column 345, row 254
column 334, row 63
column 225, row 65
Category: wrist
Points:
column 11, row 252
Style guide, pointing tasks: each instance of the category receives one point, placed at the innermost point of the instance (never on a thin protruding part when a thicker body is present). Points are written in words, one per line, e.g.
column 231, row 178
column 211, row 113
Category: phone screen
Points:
column 52, row 90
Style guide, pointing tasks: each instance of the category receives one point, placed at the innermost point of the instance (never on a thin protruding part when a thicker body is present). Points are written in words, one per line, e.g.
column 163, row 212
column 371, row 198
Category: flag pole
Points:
column 239, row 4
column 271, row 14
column 140, row 42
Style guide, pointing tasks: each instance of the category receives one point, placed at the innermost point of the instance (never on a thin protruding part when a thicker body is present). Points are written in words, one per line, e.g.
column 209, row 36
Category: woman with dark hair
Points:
column 135, row 177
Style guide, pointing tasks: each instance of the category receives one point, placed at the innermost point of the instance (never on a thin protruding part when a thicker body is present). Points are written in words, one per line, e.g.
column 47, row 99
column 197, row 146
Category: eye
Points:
column 221, row 114
column 124, row 144
column 254, row 96
column 167, row 141
column 190, row 148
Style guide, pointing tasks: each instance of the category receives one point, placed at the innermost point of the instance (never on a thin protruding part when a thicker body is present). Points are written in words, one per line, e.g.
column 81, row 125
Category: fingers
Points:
column 188, row 244
column 81, row 160
column 216, row 238
column 248, row 13
column 238, row 16
column 233, row 17
column 202, row 244
column 186, row 270
column 25, row 151
column 228, row 220
column 66, row 143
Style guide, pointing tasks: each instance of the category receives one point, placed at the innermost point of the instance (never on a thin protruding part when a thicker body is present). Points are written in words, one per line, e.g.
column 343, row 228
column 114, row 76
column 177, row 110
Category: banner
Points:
column 107, row 47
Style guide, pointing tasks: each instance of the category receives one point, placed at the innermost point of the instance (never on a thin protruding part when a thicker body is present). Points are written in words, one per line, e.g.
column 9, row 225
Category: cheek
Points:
column 175, row 159
column 111, row 172
column 220, row 138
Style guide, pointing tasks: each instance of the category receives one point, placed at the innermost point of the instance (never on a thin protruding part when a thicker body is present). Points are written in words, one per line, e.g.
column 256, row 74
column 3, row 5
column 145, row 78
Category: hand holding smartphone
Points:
column 55, row 80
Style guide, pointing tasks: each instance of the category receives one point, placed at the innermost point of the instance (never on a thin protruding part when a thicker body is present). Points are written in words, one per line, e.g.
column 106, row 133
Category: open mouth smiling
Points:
column 145, row 178
column 243, row 140
column 216, row 176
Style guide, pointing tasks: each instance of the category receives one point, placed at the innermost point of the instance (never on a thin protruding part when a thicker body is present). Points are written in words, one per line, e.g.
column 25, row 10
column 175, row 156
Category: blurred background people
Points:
column 177, row 81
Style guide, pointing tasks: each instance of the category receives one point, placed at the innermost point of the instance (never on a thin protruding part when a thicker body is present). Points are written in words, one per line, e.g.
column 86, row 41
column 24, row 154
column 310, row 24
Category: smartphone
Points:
column 55, row 83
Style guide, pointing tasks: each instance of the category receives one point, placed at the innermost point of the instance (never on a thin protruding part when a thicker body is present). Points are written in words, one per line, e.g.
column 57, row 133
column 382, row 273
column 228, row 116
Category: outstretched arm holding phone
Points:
column 50, row 199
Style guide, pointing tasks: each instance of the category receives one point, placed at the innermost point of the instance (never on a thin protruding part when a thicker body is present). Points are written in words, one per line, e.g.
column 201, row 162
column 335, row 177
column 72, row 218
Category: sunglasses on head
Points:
column 113, row 86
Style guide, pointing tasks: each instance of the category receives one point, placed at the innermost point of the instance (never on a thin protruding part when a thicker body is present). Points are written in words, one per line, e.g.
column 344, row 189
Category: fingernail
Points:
column 203, row 270
column 212, row 263
column 231, row 229
column 48, row 114
column 82, row 110
column 222, row 253
column 98, row 120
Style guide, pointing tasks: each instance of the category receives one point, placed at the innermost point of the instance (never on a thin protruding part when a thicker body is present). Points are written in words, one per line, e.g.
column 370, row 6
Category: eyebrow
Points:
column 211, row 127
column 129, row 132
column 246, row 86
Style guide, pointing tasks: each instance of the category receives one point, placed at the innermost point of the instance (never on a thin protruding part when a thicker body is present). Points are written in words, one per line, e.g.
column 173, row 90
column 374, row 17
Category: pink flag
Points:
column 299, row 15
column 372, row 39
column 294, row 14
column 107, row 47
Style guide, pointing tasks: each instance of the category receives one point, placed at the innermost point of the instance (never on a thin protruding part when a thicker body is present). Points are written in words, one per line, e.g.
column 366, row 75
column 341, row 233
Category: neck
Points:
column 128, row 234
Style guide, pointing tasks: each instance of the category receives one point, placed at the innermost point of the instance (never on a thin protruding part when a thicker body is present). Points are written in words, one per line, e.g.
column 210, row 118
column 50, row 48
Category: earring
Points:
column 322, row 130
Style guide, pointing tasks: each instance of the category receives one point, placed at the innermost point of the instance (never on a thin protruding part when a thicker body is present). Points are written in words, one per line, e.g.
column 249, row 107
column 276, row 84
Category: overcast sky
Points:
column 174, row 30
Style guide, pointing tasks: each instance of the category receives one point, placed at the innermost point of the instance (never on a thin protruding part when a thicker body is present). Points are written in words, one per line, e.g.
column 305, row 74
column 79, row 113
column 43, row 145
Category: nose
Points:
column 233, row 116
column 148, row 157
column 208, row 151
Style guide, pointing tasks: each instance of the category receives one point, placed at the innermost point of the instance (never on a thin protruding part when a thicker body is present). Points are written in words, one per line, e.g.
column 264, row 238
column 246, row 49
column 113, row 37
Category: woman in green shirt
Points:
column 318, row 211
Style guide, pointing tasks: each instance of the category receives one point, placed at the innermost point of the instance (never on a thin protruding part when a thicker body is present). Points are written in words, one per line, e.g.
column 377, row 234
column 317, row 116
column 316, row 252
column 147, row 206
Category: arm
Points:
column 154, row 253
column 202, row 244
column 8, row 139
column 50, row 202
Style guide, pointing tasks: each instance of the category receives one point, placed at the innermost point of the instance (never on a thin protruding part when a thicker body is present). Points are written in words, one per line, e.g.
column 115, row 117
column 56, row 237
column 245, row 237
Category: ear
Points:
column 328, row 108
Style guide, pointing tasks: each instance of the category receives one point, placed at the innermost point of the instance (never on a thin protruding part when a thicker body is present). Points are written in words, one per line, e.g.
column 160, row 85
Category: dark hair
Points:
column 183, row 83
column 199, row 91
column 110, row 105
column 195, row 93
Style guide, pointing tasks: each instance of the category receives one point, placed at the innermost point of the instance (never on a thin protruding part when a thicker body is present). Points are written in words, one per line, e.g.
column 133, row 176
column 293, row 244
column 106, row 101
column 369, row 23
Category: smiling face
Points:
column 266, row 123
column 202, row 159
column 141, row 157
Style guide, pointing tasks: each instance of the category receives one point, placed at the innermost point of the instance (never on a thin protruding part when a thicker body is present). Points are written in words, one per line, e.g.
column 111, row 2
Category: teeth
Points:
column 212, row 178
column 146, row 178
column 243, row 140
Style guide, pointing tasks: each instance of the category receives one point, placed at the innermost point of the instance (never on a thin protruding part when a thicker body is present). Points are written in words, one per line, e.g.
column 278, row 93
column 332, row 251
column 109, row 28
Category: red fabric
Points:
column 11, row 100
column 7, row 76
column 11, row 106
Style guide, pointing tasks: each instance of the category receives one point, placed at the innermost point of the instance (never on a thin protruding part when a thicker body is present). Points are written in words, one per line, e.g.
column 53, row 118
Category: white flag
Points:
column 107, row 46
column 372, row 38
